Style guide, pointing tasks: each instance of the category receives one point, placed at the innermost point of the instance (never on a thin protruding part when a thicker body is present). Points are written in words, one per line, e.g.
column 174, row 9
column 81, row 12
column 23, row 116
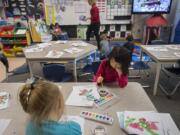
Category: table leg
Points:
column 75, row 71
column 158, row 69
column 30, row 69
column 141, row 55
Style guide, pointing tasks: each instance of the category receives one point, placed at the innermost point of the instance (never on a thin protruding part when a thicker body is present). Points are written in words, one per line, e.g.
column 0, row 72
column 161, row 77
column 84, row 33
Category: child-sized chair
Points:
column 91, row 69
column 56, row 73
column 171, row 72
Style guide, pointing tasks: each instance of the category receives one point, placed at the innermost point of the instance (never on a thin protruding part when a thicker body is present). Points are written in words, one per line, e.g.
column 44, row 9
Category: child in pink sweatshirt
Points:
column 115, row 68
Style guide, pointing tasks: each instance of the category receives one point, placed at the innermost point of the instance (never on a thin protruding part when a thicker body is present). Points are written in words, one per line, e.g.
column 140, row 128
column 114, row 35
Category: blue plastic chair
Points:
column 91, row 69
column 177, row 34
column 95, row 66
column 63, row 36
column 158, row 42
column 56, row 73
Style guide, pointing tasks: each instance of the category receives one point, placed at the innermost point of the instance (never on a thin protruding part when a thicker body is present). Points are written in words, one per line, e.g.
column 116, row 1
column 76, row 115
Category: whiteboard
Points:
column 68, row 12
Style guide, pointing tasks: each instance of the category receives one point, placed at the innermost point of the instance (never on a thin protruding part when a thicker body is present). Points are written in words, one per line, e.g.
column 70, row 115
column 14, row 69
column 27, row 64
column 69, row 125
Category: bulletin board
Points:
column 68, row 12
column 29, row 8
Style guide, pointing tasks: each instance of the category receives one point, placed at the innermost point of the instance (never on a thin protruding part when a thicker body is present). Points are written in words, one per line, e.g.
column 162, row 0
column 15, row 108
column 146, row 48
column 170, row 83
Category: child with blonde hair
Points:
column 43, row 101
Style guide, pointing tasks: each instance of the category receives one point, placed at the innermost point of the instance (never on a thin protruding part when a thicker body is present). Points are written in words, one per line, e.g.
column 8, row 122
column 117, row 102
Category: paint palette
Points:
column 97, row 117
column 106, row 96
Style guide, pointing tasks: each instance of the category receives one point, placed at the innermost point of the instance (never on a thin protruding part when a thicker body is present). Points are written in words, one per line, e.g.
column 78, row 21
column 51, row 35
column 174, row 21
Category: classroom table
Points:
column 131, row 98
column 165, row 55
column 66, row 57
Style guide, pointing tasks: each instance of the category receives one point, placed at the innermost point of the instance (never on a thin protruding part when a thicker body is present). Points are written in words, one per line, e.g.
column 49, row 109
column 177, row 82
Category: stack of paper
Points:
column 147, row 123
column 54, row 54
column 3, row 125
column 78, row 98
column 76, row 119
column 4, row 99
column 73, row 50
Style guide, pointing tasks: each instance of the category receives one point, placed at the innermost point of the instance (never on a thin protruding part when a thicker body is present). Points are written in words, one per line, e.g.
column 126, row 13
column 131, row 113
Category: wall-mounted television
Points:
column 151, row 6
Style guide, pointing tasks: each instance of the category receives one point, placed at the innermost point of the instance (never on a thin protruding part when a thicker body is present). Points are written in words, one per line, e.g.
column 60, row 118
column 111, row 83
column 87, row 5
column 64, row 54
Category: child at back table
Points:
column 114, row 68
column 43, row 101
column 104, row 45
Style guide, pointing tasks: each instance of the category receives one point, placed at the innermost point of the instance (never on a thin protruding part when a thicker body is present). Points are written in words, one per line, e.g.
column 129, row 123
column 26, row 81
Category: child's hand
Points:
column 100, row 80
column 119, row 71
column 87, row 18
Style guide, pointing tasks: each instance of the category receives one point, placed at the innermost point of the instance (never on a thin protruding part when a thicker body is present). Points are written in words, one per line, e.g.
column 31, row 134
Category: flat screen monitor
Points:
column 151, row 6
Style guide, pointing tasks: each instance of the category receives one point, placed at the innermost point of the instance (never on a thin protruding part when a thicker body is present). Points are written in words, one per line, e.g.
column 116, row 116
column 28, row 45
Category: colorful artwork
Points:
column 141, row 125
column 83, row 96
column 4, row 98
column 147, row 123
column 107, row 96
column 81, row 32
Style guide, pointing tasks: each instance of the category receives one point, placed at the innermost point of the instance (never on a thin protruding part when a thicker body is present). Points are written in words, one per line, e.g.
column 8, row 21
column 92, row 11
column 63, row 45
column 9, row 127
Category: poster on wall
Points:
column 35, row 8
column 50, row 15
column 73, row 12
column 30, row 8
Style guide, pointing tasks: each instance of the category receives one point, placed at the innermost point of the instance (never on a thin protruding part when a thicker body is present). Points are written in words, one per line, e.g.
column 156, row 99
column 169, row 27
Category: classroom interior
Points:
column 32, row 48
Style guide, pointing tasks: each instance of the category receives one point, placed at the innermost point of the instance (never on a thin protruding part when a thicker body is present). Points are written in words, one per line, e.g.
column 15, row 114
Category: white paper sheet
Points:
column 3, row 125
column 159, row 49
column 21, row 31
column 61, row 42
column 44, row 45
column 79, row 44
column 73, row 50
column 162, row 121
column 121, row 117
column 173, row 47
column 77, row 119
column 177, row 54
column 123, row 28
column 75, row 99
column 169, row 126
column 35, row 49
column 54, row 54
column 4, row 100
column 152, row 118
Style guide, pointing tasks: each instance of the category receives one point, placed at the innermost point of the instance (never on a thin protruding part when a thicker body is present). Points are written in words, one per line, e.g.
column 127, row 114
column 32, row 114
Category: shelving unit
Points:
column 13, row 43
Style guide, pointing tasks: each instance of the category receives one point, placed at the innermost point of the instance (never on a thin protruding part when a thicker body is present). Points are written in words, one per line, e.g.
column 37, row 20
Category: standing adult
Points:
column 95, row 22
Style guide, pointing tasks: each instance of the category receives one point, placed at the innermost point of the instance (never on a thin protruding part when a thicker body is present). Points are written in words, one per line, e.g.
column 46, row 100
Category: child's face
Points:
column 104, row 36
column 115, row 64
